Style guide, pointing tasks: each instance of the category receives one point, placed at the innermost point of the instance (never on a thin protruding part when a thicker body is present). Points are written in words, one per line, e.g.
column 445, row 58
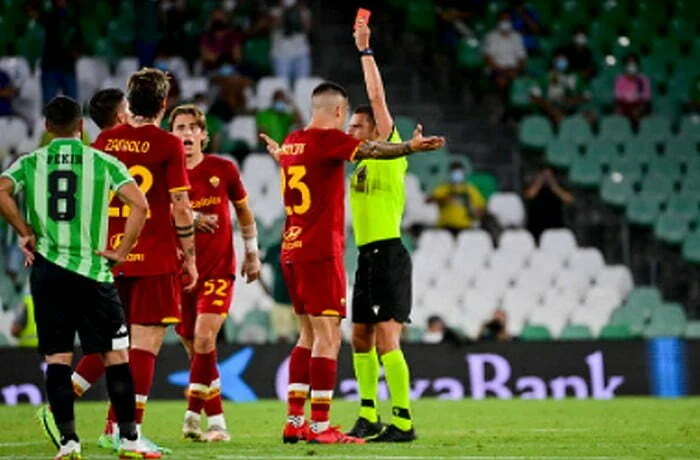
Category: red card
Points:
column 364, row 15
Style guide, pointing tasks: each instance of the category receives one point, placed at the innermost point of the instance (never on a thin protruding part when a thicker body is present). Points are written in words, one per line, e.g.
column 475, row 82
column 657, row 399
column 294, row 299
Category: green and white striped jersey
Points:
column 67, row 190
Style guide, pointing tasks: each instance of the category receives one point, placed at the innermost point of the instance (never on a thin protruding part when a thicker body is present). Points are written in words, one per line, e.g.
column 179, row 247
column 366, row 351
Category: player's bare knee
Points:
column 362, row 338
column 388, row 337
column 205, row 343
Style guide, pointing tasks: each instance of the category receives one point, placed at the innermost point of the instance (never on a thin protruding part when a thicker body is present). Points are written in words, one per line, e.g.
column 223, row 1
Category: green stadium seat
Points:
column 469, row 55
column 617, row 189
column 121, row 35
column 586, row 172
column 519, row 97
column 535, row 333
column 684, row 205
column 405, row 125
column 14, row 16
column 31, row 44
column 658, row 184
column 667, row 320
column 561, row 152
column 601, row 33
column 625, row 165
column 655, row 128
column 667, row 105
column 575, row 129
column 643, row 209
column 413, row 334
column 576, row 332
column 690, row 128
column 420, row 16
column 652, row 14
column 105, row 49
column 692, row 330
column 616, row 332
column 604, row 150
column 687, row 9
column 641, row 150
column 672, row 228
column 682, row 31
column 691, row 248
column 256, row 53
column 665, row 166
column 535, row 132
column 485, row 182
column 572, row 13
column 692, row 167
column 537, row 66
column 655, row 67
column 615, row 128
column 603, row 89
column 635, row 319
column 682, row 148
column 645, row 298
column 5, row 37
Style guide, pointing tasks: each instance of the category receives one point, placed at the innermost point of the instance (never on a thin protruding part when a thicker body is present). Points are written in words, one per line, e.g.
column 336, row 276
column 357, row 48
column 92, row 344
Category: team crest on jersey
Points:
column 214, row 181
column 292, row 233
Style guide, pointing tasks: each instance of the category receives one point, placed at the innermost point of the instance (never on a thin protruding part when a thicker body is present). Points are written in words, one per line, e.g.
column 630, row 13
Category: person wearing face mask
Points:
column 278, row 120
column 505, row 54
column 579, row 54
column 460, row 203
column 632, row 91
column 562, row 92
column 546, row 200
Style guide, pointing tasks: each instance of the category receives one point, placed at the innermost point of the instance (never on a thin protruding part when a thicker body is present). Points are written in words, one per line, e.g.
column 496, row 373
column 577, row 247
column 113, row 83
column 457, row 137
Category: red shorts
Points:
column 317, row 288
column 150, row 300
column 212, row 295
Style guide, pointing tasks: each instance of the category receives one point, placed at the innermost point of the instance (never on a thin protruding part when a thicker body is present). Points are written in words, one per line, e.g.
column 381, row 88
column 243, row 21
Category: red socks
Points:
column 323, row 376
column 201, row 375
column 88, row 371
column 298, row 389
column 142, row 365
column 214, row 405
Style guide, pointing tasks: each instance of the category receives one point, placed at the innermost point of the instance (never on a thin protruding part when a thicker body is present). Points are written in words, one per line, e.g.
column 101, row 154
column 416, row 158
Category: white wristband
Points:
column 195, row 215
column 251, row 245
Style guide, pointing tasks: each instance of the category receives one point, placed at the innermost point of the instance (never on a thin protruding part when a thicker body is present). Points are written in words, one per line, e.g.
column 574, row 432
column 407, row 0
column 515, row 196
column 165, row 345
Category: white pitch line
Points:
column 18, row 444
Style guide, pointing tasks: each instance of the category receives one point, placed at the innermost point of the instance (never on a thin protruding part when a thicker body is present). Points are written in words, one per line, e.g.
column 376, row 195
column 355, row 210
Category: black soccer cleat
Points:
column 364, row 428
column 393, row 434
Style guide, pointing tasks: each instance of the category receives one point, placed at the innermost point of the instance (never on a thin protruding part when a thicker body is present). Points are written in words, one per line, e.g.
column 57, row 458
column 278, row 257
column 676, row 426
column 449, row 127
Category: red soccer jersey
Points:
column 216, row 181
column 313, row 188
column 156, row 159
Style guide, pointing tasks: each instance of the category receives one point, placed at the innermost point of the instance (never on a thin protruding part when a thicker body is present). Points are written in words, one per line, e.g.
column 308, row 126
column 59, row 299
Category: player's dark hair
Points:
column 367, row 111
column 63, row 115
column 196, row 112
column 104, row 106
column 329, row 87
column 146, row 91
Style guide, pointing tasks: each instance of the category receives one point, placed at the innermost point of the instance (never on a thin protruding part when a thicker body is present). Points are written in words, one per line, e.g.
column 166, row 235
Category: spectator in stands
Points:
column 580, row 55
column 282, row 317
column 279, row 118
column 505, row 54
column 62, row 45
column 632, row 91
column 526, row 21
column 438, row 332
column 221, row 46
column 460, row 203
column 562, row 92
column 496, row 330
column 694, row 94
column 7, row 94
column 291, row 50
column 546, row 200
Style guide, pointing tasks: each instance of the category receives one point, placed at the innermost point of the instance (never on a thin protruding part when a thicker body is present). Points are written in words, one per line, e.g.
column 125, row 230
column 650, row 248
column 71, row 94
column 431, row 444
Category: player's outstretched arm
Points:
column 131, row 195
column 382, row 150
column 184, row 227
column 11, row 213
column 273, row 147
column 249, row 231
column 373, row 81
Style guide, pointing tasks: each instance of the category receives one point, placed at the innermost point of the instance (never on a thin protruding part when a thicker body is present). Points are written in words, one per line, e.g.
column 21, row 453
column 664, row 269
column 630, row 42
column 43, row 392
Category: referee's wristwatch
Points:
column 367, row 52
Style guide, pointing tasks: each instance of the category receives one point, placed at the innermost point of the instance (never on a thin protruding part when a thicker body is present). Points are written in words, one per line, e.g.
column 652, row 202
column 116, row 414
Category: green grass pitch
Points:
column 626, row 427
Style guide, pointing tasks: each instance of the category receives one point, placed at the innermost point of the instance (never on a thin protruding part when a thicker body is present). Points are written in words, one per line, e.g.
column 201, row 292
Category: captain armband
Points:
column 250, row 237
column 184, row 231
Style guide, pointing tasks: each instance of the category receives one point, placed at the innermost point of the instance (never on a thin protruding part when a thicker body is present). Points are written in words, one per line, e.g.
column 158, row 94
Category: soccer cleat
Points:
column 393, row 434
column 153, row 447
column 293, row 434
column 191, row 428
column 48, row 425
column 107, row 441
column 136, row 450
column 216, row 434
column 69, row 451
column 332, row 435
column 365, row 429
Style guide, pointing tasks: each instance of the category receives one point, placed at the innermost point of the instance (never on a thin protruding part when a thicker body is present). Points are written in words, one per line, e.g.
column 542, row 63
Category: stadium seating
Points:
column 508, row 208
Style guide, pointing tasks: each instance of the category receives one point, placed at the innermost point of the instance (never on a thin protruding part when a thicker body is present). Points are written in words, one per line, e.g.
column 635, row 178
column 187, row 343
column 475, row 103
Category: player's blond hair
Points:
column 199, row 117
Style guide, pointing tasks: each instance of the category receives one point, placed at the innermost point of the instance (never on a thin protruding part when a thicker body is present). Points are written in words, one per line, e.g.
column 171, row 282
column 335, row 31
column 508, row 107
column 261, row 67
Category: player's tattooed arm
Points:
column 184, row 228
column 388, row 150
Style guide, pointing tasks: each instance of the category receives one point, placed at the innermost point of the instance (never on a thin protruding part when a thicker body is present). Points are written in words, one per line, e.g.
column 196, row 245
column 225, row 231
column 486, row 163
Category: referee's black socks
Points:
column 60, row 392
column 120, row 386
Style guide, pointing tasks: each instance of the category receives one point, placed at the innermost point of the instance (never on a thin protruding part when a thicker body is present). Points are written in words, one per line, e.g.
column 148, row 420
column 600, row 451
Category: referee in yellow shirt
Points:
column 381, row 302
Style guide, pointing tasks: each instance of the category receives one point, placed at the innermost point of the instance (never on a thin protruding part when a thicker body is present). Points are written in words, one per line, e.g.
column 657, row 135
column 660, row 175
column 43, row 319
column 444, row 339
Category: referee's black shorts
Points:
column 66, row 303
column 382, row 283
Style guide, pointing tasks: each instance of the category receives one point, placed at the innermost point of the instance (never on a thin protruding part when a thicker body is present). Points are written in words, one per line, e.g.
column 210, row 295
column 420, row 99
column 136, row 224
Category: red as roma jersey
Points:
column 156, row 159
column 313, row 188
column 216, row 181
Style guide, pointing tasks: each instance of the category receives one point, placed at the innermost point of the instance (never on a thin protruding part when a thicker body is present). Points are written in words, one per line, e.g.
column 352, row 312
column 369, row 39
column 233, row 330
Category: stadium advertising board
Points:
column 600, row 370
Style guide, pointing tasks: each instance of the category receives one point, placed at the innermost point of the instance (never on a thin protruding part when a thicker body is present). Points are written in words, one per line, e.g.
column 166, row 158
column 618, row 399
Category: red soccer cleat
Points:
column 332, row 435
column 293, row 434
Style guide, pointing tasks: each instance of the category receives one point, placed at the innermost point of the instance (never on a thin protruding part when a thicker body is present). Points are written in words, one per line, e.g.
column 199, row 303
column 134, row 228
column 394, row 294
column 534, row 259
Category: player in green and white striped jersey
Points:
column 67, row 187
